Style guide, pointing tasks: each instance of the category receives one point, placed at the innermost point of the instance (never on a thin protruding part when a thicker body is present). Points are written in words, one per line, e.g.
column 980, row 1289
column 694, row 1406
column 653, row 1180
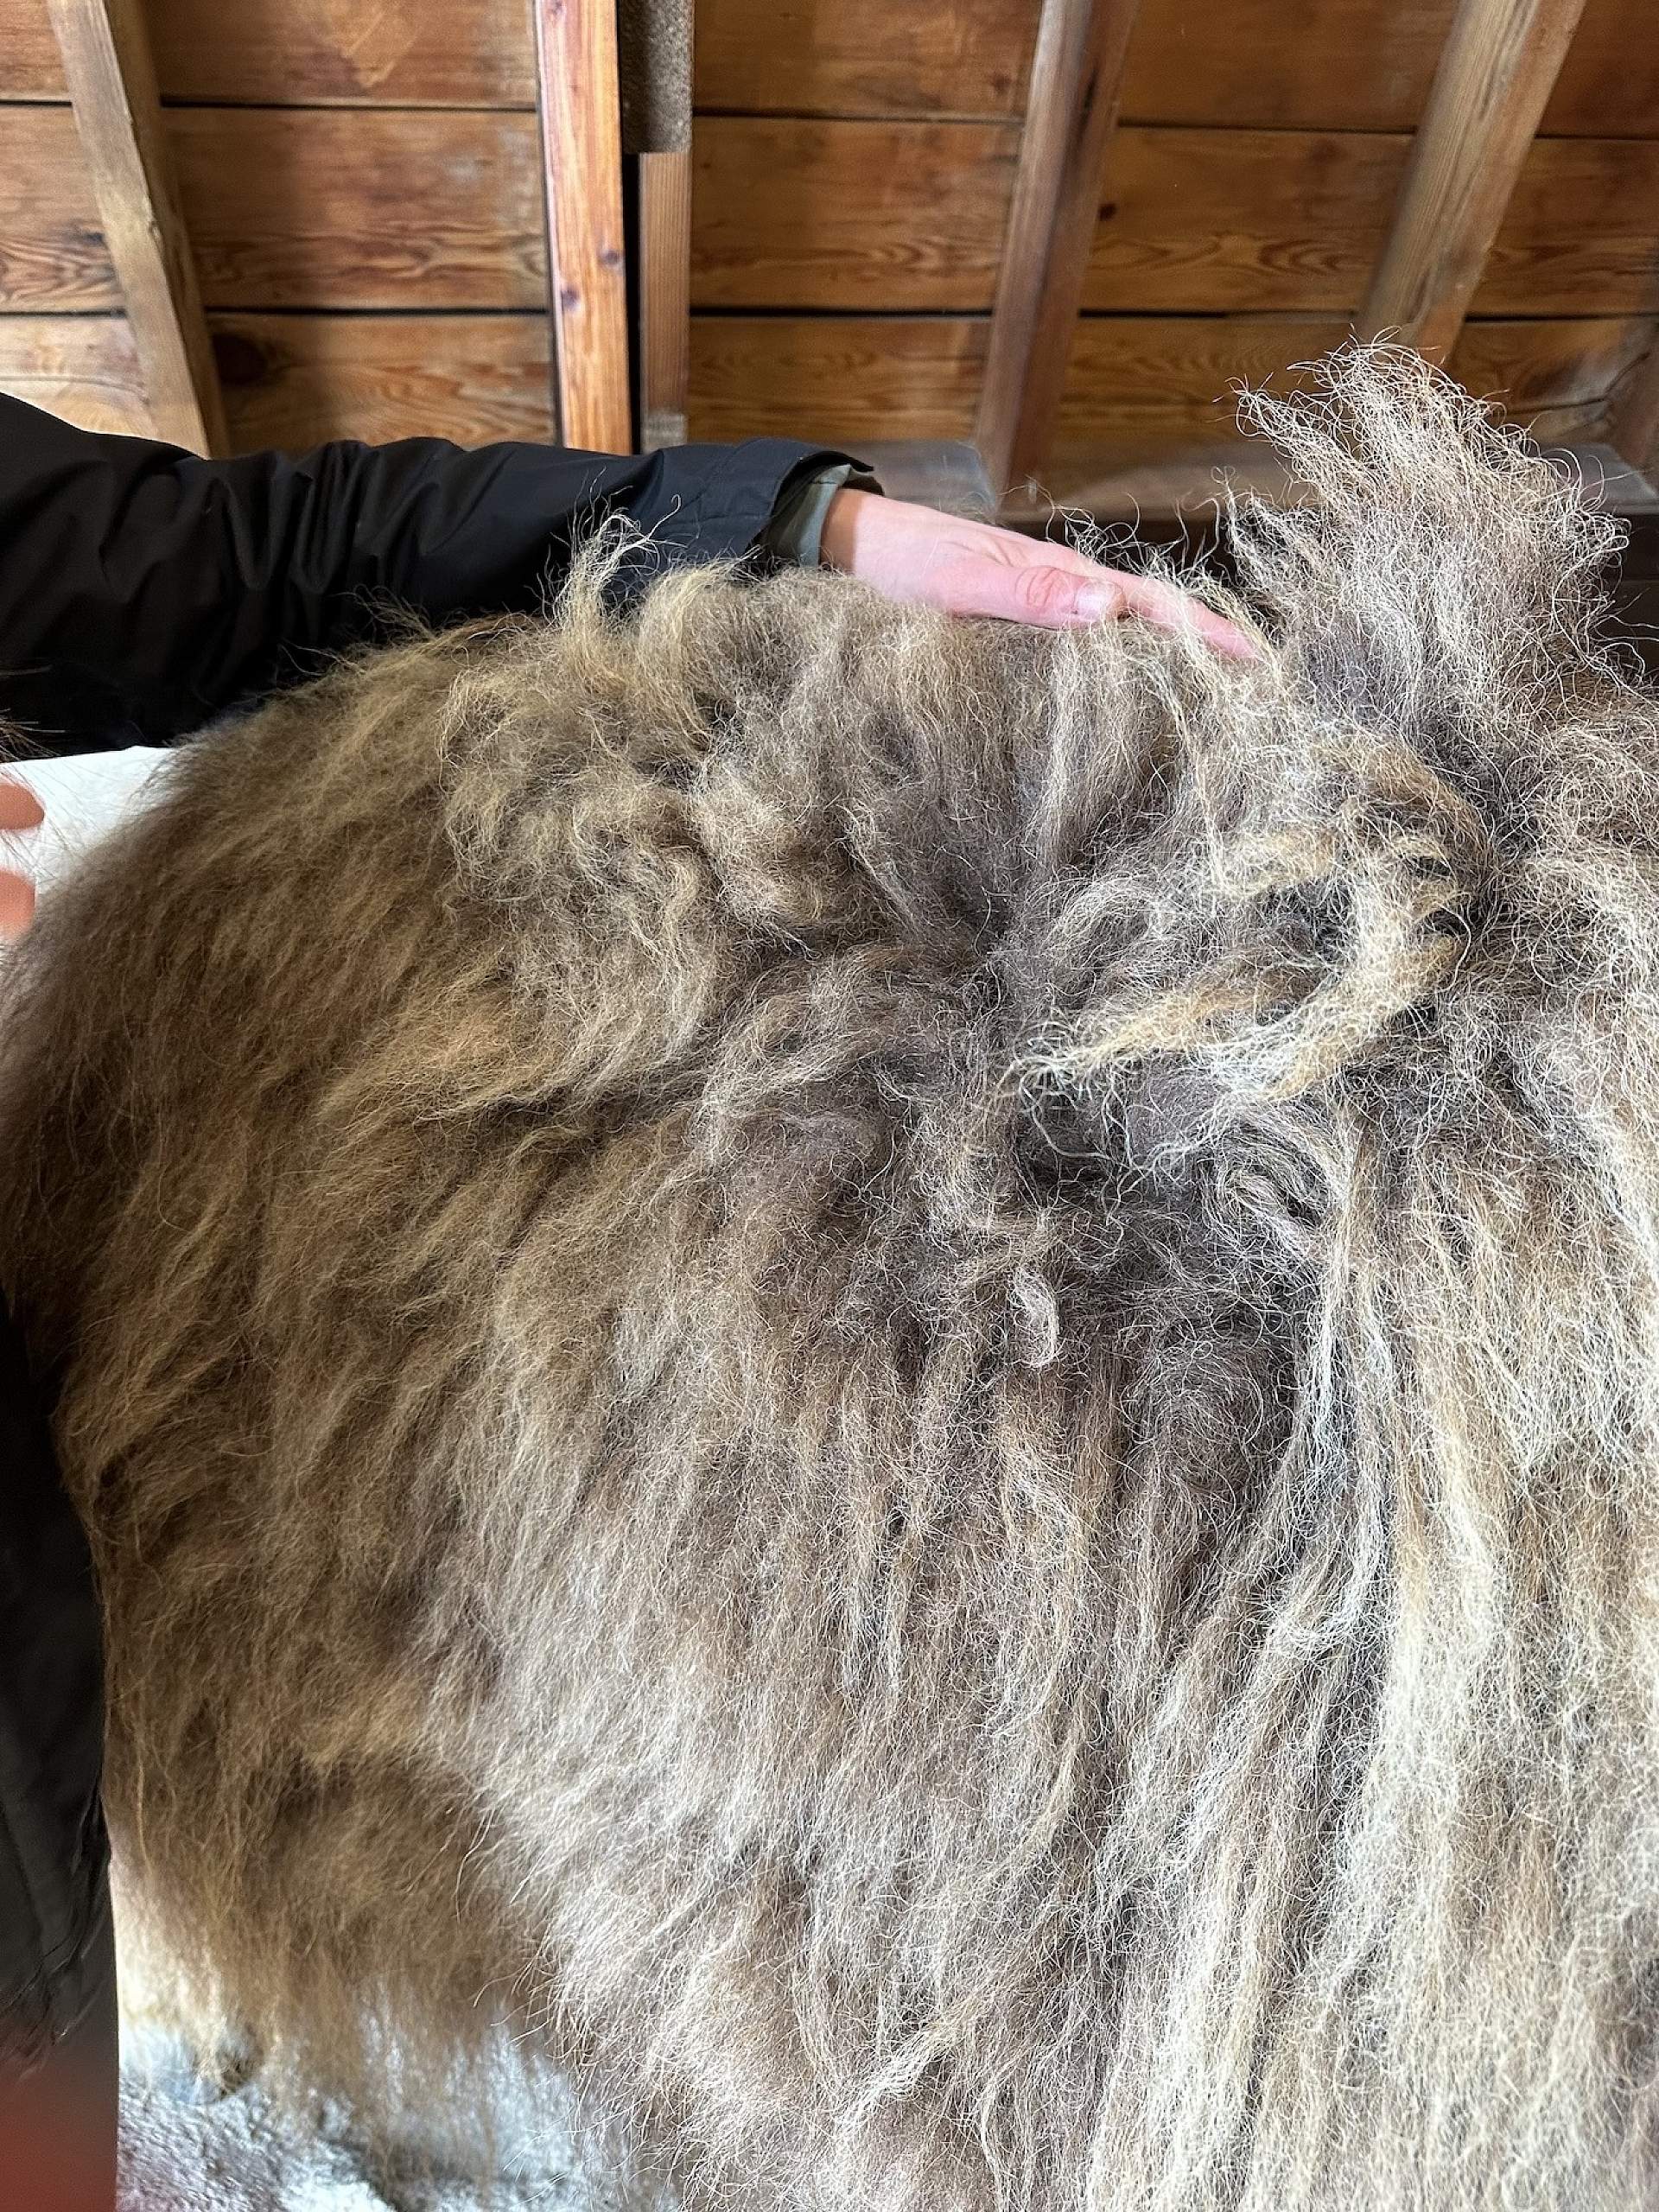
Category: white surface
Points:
column 84, row 798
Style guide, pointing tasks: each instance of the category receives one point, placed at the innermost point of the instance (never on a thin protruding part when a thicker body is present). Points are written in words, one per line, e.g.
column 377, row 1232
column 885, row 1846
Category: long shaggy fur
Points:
column 903, row 1377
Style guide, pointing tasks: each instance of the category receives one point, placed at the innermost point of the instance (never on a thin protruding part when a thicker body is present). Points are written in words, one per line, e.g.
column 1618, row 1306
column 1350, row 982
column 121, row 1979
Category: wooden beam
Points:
column 578, row 103
column 665, row 298
column 1496, row 71
column 1636, row 419
column 111, row 81
column 1075, row 79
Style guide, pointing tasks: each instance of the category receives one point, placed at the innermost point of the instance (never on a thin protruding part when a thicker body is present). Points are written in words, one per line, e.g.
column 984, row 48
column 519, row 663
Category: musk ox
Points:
column 898, row 1379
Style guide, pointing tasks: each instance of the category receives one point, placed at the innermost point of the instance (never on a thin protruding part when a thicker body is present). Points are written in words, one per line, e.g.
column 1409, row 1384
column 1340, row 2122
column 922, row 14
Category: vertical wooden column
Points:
column 1076, row 77
column 1500, row 60
column 1636, row 419
column 664, row 297
column 576, row 98
column 111, row 81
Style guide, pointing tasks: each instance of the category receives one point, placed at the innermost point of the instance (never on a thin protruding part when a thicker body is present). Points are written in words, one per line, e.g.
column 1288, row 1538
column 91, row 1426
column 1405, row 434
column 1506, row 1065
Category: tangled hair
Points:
column 901, row 1377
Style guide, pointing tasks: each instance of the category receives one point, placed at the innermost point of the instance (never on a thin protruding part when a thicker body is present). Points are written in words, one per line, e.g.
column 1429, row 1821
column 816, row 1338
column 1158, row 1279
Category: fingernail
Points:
column 1093, row 604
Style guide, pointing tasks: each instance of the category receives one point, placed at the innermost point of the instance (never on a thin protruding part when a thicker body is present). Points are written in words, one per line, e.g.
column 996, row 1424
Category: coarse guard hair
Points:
column 898, row 1379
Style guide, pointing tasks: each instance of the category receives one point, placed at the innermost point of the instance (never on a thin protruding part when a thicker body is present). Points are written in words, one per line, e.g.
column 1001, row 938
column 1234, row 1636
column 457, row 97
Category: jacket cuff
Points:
column 749, row 504
column 795, row 534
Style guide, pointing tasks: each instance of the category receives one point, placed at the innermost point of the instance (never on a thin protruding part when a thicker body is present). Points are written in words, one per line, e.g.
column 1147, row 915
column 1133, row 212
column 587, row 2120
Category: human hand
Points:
column 19, row 809
column 971, row 567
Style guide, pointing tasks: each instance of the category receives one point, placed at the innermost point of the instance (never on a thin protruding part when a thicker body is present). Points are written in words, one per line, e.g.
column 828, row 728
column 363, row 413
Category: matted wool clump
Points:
column 901, row 1377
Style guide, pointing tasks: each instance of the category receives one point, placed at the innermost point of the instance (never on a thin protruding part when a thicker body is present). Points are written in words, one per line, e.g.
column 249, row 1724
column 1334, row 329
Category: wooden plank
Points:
column 52, row 249
column 911, row 215
column 1146, row 384
column 294, row 380
column 294, row 208
column 30, row 68
column 1139, row 385
column 1354, row 65
column 1581, row 232
column 1609, row 83
column 1253, row 220
column 417, row 53
column 385, row 208
column 1635, row 423
column 1501, row 59
column 84, row 367
column 664, row 297
column 834, row 377
column 946, row 474
column 444, row 208
column 582, row 162
column 806, row 214
column 1366, row 65
column 864, row 57
column 1262, row 221
column 1069, row 113
column 1187, row 482
column 1333, row 65
column 117, row 111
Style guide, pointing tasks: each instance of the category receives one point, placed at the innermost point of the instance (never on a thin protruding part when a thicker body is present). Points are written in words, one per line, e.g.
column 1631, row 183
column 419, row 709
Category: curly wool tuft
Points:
column 900, row 1378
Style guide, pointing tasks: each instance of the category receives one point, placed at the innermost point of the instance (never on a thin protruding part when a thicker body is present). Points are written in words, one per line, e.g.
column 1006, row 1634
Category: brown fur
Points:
column 906, row 1375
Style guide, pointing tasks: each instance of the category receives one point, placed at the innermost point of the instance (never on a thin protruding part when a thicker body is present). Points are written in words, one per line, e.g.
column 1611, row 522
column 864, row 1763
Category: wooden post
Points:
column 665, row 298
column 577, row 100
column 111, row 81
column 1500, row 60
column 1635, row 417
column 1076, row 76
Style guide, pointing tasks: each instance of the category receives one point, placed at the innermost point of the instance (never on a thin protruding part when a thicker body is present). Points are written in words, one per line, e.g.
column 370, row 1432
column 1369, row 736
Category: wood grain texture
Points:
column 1070, row 109
column 834, row 377
column 396, row 209
column 1494, row 78
column 1635, row 425
column 1347, row 65
column 381, row 209
column 84, row 367
column 288, row 208
column 107, row 67
column 582, row 160
column 1353, row 65
column 805, row 214
column 446, row 52
column 1139, row 389
column 865, row 57
column 1138, row 385
column 861, row 215
column 664, row 297
column 1204, row 219
column 52, row 249
column 1198, row 220
column 1366, row 65
column 1581, row 235
column 295, row 380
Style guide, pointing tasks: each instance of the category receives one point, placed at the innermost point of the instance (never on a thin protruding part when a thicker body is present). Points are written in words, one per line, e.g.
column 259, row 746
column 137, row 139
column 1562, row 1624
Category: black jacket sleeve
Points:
column 144, row 590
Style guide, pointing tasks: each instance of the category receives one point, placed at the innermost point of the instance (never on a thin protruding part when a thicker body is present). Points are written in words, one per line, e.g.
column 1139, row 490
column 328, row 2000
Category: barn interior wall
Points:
column 361, row 190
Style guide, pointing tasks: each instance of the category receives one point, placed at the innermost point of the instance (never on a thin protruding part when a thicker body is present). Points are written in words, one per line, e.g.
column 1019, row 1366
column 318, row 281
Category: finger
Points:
column 16, row 903
column 19, row 808
column 1173, row 609
column 1050, row 597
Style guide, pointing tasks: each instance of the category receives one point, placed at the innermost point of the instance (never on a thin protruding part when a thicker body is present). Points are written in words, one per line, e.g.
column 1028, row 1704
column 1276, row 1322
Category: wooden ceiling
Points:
column 360, row 187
